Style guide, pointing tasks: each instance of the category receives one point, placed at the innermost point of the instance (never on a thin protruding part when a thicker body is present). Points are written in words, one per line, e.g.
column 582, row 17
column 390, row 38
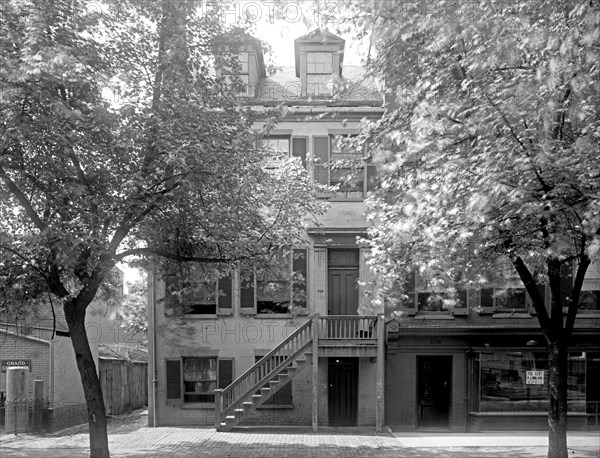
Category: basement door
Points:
column 343, row 391
column 433, row 391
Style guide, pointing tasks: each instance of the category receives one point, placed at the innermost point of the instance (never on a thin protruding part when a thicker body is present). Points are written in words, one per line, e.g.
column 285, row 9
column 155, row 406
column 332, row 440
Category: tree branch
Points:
column 14, row 189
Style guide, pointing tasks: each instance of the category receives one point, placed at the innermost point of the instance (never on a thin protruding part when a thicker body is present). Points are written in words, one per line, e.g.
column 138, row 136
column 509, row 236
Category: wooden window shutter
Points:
column 462, row 306
column 486, row 299
column 173, row 374
column 371, row 177
column 299, row 279
column 409, row 290
column 247, row 293
column 321, row 153
column 542, row 291
column 300, row 148
column 566, row 283
column 473, row 299
column 224, row 301
column 225, row 372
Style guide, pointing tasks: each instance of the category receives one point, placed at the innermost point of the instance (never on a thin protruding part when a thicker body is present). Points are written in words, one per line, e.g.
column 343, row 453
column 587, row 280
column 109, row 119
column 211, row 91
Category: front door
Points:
column 434, row 391
column 343, row 282
column 343, row 391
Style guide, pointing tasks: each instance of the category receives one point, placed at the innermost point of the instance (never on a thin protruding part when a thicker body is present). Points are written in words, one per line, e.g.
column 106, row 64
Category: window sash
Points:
column 279, row 289
column 201, row 375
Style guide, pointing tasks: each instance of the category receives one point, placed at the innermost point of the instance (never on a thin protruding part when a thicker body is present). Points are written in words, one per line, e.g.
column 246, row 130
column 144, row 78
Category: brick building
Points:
column 42, row 343
column 237, row 354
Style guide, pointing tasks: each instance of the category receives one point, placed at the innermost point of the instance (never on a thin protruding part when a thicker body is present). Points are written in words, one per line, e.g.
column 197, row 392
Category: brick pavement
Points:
column 133, row 440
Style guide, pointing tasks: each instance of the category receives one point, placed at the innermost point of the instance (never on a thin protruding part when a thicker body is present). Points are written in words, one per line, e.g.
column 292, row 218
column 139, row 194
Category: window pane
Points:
column 518, row 381
column 589, row 300
column 273, row 285
column 510, row 298
column 199, row 379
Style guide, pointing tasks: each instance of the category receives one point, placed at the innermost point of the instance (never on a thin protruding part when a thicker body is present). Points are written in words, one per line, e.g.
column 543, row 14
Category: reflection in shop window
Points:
column 510, row 381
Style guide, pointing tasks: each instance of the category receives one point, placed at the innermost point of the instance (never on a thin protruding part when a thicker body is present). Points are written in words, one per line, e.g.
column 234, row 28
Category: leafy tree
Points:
column 167, row 171
column 132, row 312
column 489, row 151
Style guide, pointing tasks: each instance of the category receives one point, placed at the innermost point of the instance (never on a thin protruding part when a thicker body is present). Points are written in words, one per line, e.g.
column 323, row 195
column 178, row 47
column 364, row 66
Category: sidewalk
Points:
column 131, row 439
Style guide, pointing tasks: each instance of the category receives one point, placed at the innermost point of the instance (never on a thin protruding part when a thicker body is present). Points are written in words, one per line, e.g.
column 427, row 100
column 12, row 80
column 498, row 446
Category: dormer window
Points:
column 319, row 57
column 319, row 73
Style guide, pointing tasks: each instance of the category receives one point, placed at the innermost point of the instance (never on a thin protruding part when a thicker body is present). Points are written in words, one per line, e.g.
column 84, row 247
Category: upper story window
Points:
column 276, row 287
column 247, row 88
column 197, row 292
column 589, row 299
column 341, row 166
column 319, row 73
column 424, row 294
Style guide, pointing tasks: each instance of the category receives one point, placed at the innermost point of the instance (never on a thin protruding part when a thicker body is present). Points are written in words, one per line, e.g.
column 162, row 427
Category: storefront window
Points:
column 518, row 381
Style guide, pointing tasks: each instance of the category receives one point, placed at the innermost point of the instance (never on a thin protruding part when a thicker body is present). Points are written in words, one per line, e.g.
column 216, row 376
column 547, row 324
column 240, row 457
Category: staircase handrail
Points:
column 295, row 352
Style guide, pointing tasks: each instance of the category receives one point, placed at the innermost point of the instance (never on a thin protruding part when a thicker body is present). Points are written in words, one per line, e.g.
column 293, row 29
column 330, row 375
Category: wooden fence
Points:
column 124, row 385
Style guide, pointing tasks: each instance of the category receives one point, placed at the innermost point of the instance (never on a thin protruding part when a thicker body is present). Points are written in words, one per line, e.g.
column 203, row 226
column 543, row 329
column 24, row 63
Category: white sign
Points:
column 534, row 378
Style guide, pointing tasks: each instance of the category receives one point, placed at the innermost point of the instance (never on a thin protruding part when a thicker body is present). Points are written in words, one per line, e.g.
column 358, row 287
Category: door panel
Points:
column 434, row 391
column 343, row 391
column 343, row 291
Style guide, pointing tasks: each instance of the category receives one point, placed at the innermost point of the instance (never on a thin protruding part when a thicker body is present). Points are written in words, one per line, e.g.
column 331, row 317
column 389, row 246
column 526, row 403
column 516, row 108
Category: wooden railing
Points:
column 345, row 327
column 261, row 373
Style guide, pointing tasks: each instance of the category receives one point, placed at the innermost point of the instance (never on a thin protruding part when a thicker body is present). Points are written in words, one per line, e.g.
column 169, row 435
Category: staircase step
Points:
column 247, row 405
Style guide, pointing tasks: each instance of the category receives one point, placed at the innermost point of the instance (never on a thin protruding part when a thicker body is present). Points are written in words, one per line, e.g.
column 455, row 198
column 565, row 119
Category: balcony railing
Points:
column 348, row 327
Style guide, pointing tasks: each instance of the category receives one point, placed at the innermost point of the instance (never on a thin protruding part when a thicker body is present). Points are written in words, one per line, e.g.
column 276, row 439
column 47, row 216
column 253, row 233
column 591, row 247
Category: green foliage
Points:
column 132, row 312
column 119, row 139
column 490, row 147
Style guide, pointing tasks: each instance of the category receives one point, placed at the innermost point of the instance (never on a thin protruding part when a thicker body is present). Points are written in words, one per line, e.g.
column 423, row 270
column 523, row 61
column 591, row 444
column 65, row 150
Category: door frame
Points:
column 449, row 366
column 354, row 363
column 355, row 267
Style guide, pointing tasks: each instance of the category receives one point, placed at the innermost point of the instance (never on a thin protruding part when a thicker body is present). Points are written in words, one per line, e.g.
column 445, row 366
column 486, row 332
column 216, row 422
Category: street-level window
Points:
column 516, row 381
column 193, row 379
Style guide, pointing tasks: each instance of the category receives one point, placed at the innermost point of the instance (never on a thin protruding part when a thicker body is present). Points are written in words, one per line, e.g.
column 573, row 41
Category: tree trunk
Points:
column 75, row 315
column 557, row 410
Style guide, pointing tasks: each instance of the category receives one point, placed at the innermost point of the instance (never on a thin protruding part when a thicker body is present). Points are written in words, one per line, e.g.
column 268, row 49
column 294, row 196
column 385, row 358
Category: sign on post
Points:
column 534, row 377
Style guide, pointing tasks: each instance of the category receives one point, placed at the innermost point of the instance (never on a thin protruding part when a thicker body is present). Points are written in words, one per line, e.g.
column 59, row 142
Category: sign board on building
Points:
column 16, row 363
column 534, row 377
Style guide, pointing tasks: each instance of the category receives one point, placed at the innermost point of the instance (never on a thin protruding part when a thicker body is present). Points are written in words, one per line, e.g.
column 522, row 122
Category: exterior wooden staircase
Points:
column 250, row 390
column 320, row 336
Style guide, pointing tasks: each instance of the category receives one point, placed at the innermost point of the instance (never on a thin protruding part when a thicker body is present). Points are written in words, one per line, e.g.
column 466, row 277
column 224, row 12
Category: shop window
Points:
column 283, row 397
column 275, row 288
column 518, row 381
column 194, row 379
